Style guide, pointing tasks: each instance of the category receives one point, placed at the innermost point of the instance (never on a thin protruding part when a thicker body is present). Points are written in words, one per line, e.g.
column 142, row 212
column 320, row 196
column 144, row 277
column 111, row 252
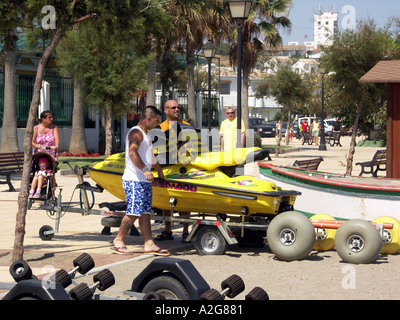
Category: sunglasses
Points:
column 175, row 107
column 230, row 113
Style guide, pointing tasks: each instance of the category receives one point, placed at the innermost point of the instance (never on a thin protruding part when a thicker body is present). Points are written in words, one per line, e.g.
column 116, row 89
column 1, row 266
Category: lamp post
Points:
column 209, row 50
column 322, row 145
column 239, row 12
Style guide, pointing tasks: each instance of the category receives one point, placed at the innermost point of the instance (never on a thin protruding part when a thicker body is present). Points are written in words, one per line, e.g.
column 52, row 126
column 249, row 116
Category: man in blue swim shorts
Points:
column 137, row 183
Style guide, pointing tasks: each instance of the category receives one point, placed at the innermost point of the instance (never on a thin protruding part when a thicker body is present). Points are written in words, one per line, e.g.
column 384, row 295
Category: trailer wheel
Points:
column 46, row 237
column 168, row 286
column 105, row 278
column 85, row 263
column 358, row 241
column 209, row 241
column 291, row 236
column 235, row 285
column 391, row 237
column 20, row 270
column 257, row 293
column 327, row 241
column 212, row 294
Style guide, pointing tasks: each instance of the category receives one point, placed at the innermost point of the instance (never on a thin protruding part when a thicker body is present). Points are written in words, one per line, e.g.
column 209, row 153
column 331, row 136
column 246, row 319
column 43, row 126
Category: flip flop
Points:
column 159, row 252
column 117, row 250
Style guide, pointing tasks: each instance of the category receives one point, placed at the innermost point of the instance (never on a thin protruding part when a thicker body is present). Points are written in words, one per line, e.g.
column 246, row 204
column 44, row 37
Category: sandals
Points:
column 165, row 235
column 121, row 250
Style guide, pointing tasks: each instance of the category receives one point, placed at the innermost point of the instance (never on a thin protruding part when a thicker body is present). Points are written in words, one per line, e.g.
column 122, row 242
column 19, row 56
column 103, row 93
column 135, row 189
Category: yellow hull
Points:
column 198, row 189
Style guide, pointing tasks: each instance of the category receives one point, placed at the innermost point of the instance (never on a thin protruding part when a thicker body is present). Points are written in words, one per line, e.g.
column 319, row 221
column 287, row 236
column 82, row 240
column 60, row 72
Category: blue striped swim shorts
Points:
column 138, row 196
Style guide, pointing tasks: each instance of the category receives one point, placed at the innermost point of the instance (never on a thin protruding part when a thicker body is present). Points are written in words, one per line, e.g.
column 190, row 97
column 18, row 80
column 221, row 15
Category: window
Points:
column 225, row 88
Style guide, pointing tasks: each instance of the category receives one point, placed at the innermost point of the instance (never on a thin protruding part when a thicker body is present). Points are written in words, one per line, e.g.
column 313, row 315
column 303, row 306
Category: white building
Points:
column 265, row 108
column 325, row 26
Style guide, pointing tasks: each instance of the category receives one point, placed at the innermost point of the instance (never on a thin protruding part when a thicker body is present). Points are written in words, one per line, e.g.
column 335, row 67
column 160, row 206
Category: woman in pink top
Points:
column 45, row 135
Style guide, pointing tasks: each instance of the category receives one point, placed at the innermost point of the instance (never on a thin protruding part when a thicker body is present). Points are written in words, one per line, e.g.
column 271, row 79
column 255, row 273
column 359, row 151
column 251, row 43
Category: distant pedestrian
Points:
column 304, row 127
column 316, row 127
column 228, row 131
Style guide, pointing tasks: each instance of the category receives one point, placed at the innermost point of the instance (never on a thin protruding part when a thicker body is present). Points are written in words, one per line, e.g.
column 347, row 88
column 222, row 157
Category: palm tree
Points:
column 190, row 24
column 259, row 29
column 10, row 19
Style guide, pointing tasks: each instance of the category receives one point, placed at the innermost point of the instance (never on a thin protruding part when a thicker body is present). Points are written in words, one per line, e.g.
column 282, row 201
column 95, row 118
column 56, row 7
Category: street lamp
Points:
column 322, row 145
column 239, row 12
column 209, row 50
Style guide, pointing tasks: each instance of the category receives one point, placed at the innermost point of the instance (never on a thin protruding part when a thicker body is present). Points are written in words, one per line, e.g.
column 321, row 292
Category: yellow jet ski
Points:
column 204, row 186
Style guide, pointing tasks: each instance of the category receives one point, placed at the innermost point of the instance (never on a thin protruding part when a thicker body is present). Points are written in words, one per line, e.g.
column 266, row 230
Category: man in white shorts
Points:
column 137, row 183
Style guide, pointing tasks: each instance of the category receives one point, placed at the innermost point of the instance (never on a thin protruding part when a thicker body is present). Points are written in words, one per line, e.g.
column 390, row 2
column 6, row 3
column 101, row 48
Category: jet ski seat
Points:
column 114, row 206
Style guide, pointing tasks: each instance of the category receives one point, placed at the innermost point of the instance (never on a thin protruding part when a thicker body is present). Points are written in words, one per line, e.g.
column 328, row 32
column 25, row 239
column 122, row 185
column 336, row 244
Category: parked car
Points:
column 329, row 123
column 263, row 128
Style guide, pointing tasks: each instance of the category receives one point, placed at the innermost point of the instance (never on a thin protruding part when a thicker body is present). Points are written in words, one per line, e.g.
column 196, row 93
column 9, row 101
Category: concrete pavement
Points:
column 80, row 234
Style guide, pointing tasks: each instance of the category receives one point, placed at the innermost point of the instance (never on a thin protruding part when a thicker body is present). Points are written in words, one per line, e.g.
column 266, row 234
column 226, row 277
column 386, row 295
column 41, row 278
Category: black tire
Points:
column 20, row 270
column 111, row 222
column 81, row 292
column 63, row 277
column 153, row 296
column 212, row 294
column 252, row 238
column 358, row 241
column 209, row 241
column 235, row 285
column 257, row 293
column 85, row 263
column 167, row 285
column 105, row 278
column 291, row 236
column 46, row 237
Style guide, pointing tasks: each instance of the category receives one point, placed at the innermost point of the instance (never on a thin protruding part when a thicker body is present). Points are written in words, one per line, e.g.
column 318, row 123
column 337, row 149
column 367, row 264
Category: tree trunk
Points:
column 287, row 128
column 151, row 90
column 18, row 251
column 278, row 142
column 108, row 131
column 349, row 166
column 191, row 90
column 9, row 136
column 23, row 194
column 78, row 137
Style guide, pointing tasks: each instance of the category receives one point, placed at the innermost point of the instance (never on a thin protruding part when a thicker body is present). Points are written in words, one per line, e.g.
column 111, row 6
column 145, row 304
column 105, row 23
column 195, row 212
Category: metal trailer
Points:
column 291, row 235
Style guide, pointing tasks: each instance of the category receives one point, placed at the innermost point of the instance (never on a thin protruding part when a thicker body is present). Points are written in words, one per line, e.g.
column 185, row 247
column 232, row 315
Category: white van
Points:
column 329, row 123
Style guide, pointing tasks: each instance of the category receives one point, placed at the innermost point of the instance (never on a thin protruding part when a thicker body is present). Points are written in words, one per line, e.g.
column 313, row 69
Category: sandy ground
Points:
column 322, row 275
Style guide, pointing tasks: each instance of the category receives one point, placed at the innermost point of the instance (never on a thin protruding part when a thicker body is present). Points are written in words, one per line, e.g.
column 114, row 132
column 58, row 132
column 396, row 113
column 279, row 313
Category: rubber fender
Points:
column 37, row 290
column 182, row 269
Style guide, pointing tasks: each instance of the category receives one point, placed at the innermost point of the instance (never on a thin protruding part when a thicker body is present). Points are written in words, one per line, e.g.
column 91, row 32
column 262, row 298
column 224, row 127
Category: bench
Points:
column 378, row 160
column 307, row 137
column 311, row 164
column 334, row 138
column 11, row 164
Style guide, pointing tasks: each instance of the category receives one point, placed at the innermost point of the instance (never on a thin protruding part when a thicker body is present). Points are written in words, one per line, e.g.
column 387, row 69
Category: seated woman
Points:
column 40, row 177
column 45, row 135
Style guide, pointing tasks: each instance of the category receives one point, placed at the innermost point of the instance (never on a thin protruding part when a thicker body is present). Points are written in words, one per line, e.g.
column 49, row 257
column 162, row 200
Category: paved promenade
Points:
column 80, row 234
